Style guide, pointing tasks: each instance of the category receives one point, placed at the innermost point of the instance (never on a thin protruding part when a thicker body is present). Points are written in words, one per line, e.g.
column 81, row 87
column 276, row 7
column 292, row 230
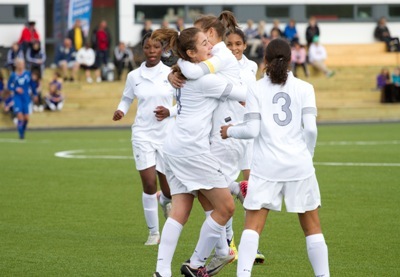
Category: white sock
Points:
column 164, row 200
column 247, row 252
column 150, row 207
column 234, row 188
column 169, row 239
column 318, row 254
column 229, row 229
column 209, row 234
column 222, row 247
column 208, row 213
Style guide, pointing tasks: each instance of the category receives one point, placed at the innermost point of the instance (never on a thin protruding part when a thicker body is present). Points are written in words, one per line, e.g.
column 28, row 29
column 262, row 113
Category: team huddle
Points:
column 224, row 122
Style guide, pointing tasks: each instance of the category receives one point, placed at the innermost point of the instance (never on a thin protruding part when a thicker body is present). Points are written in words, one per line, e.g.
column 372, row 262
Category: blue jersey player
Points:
column 20, row 82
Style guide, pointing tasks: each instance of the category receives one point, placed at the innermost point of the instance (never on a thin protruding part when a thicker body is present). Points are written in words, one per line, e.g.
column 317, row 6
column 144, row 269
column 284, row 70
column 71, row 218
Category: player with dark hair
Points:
column 281, row 117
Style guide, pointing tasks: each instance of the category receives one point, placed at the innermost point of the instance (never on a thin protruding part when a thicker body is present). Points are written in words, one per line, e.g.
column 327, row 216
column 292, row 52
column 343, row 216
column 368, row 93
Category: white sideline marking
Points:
column 389, row 142
column 358, row 164
column 12, row 140
column 75, row 154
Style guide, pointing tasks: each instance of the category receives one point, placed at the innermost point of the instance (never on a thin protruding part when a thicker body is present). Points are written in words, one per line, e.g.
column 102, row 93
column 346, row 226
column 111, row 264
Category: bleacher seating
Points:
column 347, row 97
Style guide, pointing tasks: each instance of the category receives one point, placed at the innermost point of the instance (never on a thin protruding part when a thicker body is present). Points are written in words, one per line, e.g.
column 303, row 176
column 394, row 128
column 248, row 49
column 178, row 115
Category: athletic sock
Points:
column 318, row 254
column 150, row 207
column 169, row 240
column 247, row 252
column 164, row 200
column 20, row 128
column 222, row 247
column 209, row 235
column 25, row 124
column 229, row 229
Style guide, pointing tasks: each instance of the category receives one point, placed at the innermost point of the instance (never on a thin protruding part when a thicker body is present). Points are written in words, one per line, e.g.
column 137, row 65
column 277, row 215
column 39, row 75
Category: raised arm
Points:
column 195, row 71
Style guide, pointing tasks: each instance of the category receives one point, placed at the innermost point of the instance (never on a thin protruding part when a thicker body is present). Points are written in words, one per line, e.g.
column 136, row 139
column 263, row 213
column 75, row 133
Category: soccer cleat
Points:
column 260, row 258
column 243, row 191
column 166, row 209
column 156, row 274
column 218, row 262
column 187, row 271
column 153, row 239
column 232, row 246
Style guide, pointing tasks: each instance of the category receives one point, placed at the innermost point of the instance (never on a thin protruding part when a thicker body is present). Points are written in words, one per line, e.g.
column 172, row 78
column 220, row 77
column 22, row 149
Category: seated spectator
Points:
column 396, row 83
column 382, row 79
column 8, row 103
column 54, row 99
column 290, row 32
column 36, row 83
column 123, row 58
column 275, row 34
column 13, row 53
column 164, row 24
column 57, row 80
column 312, row 30
column 86, row 58
column 28, row 35
column 146, row 28
column 1, row 86
column 382, row 33
column 299, row 58
column 65, row 59
column 317, row 56
column 35, row 58
column 253, row 41
column 276, row 27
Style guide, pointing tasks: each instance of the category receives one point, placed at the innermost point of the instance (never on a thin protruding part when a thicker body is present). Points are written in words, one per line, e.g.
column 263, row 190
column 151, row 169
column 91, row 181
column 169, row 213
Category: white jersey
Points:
column 280, row 150
column 151, row 87
column 196, row 102
column 248, row 70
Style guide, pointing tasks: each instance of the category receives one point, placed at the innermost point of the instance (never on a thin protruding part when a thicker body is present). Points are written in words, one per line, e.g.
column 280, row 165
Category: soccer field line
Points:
column 338, row 143
column 80, row 154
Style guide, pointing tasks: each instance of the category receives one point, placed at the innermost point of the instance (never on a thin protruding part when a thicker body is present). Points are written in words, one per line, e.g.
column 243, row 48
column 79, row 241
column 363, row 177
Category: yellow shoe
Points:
column 260, row 258
column 232, row 246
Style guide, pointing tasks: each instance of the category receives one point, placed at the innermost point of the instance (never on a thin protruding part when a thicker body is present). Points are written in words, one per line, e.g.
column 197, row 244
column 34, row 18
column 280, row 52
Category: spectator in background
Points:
column 382, row 33
column 101, row 42
column 54, row 99
column 15, row 52
column 253, row 41
column 299, row 58
column 36, row 58
column 86, row 58
column 123, row 58
column 276, row 27
column 1, row 86
column 317, row 56
column 36, row 83
column 147, row 27
column 180, row 24
column 164, row 24
column 396, row 84
column 382, row 79
column 28, row 35
column 312, row 30
column 8, row 103
column 290, row 32
column 76, row 35
column 66, row 60
column 57, row 80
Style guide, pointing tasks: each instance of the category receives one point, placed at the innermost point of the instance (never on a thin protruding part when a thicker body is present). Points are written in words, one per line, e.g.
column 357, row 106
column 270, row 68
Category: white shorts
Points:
column 190, row 174
column 148, row 154
column 300, row 196
column 230, row 153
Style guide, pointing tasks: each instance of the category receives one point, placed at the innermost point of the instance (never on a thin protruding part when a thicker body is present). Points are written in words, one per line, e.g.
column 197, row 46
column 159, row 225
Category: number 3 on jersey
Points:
column 285, row 108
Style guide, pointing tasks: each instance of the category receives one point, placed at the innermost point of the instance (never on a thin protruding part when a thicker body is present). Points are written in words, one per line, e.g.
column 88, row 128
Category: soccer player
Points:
column 236, row 42
column 154, row 120
column 20, row 82
column 281, row 116
column 190, row 166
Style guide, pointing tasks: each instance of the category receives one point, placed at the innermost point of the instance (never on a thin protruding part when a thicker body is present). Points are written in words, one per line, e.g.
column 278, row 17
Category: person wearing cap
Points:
column 317, row 56
column 28, row 35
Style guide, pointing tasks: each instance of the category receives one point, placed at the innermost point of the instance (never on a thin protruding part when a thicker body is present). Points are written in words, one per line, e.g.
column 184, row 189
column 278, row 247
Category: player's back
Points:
column 281, row 139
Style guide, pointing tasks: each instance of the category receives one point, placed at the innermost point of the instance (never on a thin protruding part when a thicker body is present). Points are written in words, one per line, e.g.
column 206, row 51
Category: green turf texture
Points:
column 84, row 217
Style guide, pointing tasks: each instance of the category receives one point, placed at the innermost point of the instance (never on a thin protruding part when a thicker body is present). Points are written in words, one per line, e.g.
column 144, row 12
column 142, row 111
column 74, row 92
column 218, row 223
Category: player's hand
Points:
column 118, row 115
column 224, row 131
column 36, row 99
column 19, row 90
column 175, row 80
column 161, row 113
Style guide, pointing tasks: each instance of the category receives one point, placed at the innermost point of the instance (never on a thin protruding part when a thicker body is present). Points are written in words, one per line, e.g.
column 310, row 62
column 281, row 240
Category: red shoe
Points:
column 243, row 188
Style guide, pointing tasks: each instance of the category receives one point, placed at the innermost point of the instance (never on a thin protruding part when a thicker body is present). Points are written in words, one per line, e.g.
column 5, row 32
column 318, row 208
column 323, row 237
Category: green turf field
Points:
column 83, row 216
